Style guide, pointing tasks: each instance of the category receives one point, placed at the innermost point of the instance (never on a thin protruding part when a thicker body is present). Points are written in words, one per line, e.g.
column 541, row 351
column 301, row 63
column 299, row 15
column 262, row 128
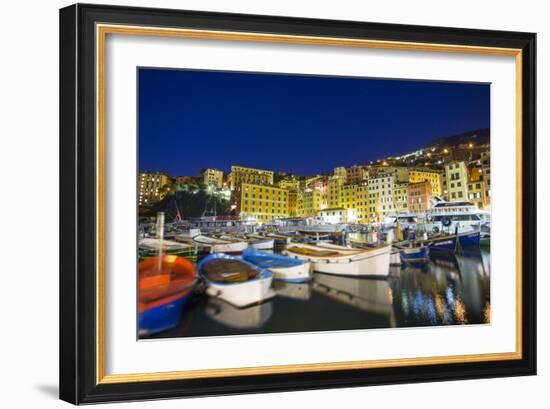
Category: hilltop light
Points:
column 445, row 150
column 429, row 154
column 471, row 145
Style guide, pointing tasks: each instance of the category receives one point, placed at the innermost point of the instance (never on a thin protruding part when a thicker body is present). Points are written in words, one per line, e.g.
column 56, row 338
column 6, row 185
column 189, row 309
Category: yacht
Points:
column 455, row 217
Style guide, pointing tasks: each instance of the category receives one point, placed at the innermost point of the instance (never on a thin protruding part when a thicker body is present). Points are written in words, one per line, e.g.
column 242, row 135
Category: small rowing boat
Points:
column 282, row 267
column 149, row 247
column 235, row 280
column 259, row 242
column 343, row 260
column 164, row 286
column 419, row 254
column 218, row 245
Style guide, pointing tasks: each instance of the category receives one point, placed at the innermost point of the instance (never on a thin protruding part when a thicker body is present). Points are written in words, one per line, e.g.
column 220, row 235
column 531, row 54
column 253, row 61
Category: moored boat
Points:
column 149, row 247
column 165, row 286
column 235, row 280
column 282, row 267
column 419, row 254
column 346, row 261
column 280, row 239
column 218, row 245
column 468, row 241
column 261, row 243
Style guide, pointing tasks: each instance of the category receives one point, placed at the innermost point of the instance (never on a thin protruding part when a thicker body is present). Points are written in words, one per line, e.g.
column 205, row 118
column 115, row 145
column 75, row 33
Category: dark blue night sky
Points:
column 190, row 120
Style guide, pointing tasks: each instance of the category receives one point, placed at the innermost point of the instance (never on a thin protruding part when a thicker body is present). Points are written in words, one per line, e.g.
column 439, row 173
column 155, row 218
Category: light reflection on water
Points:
column 446, row 291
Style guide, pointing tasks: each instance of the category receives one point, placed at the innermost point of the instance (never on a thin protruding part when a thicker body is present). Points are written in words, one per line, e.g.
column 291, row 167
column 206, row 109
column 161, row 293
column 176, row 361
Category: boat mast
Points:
column 160, row 237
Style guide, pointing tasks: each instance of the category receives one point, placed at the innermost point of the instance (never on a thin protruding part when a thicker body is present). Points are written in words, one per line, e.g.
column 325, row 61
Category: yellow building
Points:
column 341, row 173
column 262, row 203
column 151, row 187
column 213, row 177
column 310, row 201
column 289, row 183
column 240, row 174
column 348, row 196
column 456, row 175
column 292, row 209
column 334, row 192
column 381, row 196
column 362, row 202
column 400, row 197
column 433, row 176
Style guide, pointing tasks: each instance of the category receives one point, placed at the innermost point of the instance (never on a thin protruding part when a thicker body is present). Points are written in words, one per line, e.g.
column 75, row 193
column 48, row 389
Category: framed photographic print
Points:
column 257, row 203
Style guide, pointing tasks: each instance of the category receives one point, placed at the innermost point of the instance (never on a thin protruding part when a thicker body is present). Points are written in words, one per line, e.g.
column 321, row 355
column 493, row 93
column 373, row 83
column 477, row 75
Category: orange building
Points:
column 419, row 196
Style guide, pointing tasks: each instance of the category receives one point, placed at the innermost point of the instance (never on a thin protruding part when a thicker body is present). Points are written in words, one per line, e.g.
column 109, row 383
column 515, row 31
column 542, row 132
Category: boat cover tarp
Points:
column 267, row 260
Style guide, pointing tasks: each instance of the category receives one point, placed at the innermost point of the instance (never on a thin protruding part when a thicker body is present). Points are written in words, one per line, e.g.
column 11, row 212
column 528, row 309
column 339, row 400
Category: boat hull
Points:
column 190, row 253
column 294, row 274
column 470, row 240
column 372, row 262
column 242, row 293
column 162, row 317
column 415, row 255
column 221, row 246
column 262, row 244
column 283, row 268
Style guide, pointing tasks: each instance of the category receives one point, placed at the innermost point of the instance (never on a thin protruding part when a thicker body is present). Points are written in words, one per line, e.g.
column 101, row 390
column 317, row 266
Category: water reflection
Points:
column 297, row 291
column 452, row 290
column 374, row 296
column 446, row 291
column 226, row 314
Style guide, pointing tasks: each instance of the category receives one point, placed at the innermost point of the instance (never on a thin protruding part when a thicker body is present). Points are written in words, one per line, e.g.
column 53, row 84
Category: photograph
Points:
column 290, row 203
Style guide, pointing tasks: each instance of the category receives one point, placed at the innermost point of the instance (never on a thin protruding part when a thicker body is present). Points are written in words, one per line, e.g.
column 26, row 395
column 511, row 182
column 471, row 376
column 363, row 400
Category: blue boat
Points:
column 456, row 243
column 165, row 285
column 470, row 241
column 162, row 317
column 283, row 267
column 414, row 254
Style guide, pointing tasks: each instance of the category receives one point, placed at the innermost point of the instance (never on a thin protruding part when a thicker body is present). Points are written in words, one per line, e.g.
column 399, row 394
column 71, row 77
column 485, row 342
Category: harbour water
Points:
column 445, row 291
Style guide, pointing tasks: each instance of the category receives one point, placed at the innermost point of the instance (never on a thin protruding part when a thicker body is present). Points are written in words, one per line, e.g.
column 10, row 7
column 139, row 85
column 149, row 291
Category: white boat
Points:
column 261, row 244
column 215, row 245
column 149, row 247
column 258, row 238
column 283, row 267
column 235, row 281
column 343, row 261
column 187, row 236
column 454, row 217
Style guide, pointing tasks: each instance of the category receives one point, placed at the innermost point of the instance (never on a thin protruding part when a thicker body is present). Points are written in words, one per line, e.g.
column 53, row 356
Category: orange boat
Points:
column 164, row 286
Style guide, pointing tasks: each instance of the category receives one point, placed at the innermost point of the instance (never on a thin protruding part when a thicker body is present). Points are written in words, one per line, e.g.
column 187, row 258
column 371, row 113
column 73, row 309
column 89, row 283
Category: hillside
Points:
column 479, row 137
